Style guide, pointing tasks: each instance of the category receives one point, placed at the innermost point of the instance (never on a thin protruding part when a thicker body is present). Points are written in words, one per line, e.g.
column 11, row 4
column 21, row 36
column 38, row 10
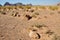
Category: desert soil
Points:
column 31, row 24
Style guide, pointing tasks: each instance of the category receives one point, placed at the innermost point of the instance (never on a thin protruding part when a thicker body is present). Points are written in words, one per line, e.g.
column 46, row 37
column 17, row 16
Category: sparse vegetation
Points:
column 4, row 13
column 40, row 25
column 21, row 7
column 27, row 7
column 30, row 15
column 36, row 13
column 16, row 14
column 49, row 32
column 45, row 16
column 31, row 10
column 58, row 12
column 53, row 7
column 51, row 13
column 56, row 37
column 42, row 7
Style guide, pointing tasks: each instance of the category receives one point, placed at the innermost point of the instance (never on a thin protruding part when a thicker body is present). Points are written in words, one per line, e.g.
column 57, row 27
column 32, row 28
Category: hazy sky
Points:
column 34, row 2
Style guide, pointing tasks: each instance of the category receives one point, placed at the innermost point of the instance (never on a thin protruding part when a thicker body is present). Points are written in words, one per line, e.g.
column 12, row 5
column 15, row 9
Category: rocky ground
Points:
column 29, row 24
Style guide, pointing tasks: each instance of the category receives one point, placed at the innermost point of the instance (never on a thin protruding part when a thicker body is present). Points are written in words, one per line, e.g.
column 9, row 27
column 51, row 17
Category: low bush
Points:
column 53, row 8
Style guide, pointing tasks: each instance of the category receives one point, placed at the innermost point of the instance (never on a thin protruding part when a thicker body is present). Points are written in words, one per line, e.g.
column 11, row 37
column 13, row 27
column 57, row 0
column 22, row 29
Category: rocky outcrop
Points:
column 58, row 4
column 29, row 4
column 7, row 4
column 0, row 5
column 16, row 4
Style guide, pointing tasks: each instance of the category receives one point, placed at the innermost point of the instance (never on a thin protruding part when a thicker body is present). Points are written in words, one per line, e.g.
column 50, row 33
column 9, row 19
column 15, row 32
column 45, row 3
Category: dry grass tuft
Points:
column 53, row 8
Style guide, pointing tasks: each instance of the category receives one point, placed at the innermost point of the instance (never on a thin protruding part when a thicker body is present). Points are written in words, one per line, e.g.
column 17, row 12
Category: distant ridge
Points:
column 21, row 4
column 16, row 4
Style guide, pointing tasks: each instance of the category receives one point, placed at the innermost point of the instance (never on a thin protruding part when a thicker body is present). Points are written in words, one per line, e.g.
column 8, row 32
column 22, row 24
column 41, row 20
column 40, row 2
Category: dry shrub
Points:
column 4, row 13
column 9, row 7
column 42, row 7
column 27, row 7
column 52, row 13
column 58, row 12
column 53, row 7
column 21, row 7
column 40, row 25
column 15, row 14
column 31, row 10
column 35, row 14
column 49, row 32
column 56, row 37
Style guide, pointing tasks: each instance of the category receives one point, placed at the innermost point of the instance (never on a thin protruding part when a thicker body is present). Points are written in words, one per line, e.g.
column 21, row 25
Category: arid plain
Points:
column 30, row 23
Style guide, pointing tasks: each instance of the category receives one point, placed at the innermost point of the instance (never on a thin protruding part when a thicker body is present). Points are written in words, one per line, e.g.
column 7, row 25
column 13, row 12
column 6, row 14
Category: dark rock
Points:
column 28, row 17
